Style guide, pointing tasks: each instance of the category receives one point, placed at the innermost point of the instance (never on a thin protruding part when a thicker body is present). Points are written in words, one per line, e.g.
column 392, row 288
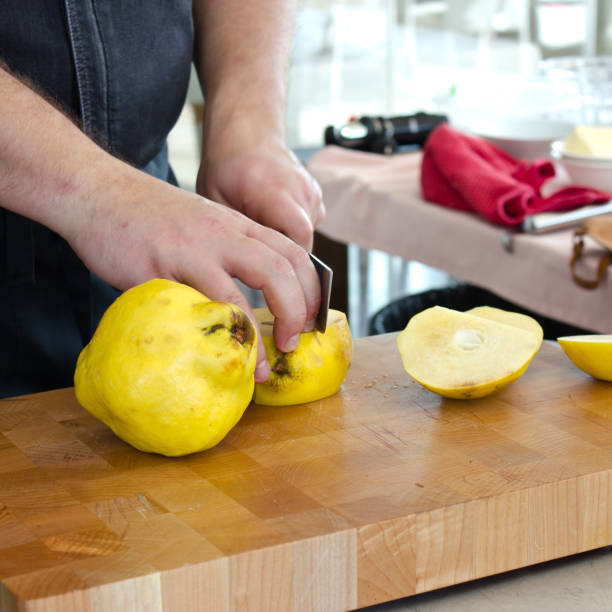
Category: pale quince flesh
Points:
column 168, row 370
column 515, row 319
column 592, row 353
column 314, row 370
column 464, row 356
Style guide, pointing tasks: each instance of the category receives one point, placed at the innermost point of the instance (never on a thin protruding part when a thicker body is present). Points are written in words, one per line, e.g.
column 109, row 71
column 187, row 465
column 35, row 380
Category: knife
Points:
column 325, row 274
column 548, row 222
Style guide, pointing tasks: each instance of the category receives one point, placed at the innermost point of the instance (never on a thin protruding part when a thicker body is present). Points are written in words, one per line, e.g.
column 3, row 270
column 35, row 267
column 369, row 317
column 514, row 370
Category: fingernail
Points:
column 292, row 343
column 262, row 371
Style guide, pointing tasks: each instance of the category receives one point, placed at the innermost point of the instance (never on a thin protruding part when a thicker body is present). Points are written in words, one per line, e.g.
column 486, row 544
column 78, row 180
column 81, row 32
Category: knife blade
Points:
column 325, row 274
column 548, row 222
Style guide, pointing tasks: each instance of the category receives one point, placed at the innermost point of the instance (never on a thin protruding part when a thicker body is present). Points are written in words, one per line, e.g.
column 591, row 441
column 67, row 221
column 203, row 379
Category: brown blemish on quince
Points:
column 239, row 333
column 281, row 367
column 232, row 365
column 242, row 329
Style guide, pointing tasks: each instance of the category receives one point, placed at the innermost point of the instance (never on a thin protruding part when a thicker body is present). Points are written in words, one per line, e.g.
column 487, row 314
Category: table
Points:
column 381, row 491
column 375, row 202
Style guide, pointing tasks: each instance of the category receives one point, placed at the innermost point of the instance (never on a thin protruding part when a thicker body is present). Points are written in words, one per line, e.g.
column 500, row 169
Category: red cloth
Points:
column 470, row 173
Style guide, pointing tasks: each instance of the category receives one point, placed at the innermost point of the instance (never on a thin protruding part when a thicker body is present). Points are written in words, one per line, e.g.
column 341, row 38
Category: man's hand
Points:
column 144, row 228
column 128, row 227
column 266, row 183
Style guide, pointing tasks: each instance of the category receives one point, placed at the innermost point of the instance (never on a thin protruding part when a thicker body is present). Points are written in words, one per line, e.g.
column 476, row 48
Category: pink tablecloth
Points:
column 375, row 202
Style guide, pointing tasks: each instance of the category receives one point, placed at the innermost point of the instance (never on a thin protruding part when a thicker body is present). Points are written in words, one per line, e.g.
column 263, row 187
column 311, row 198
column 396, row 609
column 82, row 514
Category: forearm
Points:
column 242, row 54
column 49, row 169
column 128, row 227
column 243, row 51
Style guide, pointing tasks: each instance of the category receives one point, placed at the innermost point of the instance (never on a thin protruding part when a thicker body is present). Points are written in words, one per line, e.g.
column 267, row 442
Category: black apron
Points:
column 121, row 68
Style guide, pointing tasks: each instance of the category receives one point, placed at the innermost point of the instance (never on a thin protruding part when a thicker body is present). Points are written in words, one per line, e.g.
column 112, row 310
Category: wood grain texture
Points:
column 381, row 491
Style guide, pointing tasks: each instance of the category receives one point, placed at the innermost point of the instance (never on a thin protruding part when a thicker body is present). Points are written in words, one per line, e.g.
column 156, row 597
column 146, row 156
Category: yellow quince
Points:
column 168, row 370
column 314, row 370
column 466, row 355
column 592, row 353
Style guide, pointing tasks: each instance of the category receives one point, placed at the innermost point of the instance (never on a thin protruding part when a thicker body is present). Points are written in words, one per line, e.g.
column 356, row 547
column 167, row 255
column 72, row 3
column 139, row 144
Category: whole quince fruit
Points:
column 462, row 355
column 168, row 370
column 314, row 370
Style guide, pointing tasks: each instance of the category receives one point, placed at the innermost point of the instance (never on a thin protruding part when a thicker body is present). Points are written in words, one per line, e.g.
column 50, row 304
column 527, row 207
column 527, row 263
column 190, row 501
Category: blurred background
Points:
column 468, row 59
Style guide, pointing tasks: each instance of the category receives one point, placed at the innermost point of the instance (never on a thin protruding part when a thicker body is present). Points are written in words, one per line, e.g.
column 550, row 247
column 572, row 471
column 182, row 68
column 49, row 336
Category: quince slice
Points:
column 592, row 353
column 313, row 371
column 463, row 356
column 167, row 369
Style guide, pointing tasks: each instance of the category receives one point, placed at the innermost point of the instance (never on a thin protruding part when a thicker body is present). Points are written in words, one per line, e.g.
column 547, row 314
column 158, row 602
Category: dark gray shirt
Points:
column 120, row 69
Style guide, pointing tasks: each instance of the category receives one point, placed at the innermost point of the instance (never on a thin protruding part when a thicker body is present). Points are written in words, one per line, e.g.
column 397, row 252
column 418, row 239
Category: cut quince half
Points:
column 463, row 356
column 314, row 370
column 167, row 369
column 592, row 353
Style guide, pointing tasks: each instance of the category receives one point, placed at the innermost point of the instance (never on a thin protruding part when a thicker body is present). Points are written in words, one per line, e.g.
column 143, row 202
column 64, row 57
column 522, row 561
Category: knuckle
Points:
column 282, row 267
column 315, row 192
column 301, row 259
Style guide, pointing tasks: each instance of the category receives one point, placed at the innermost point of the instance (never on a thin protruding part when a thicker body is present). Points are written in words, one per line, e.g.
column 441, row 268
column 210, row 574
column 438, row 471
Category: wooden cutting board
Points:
column 382, row 491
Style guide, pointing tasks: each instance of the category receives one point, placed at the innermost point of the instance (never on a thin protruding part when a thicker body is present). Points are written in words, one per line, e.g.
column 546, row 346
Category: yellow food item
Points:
column 168, row 370
column 314, row 370
column 592, row 353
column 516, row 319
column 592, row 140
column 463, row 356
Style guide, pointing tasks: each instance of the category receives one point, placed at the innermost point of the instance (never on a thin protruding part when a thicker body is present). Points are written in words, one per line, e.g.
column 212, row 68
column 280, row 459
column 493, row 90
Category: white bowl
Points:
column 584, row 170
column 522, row 138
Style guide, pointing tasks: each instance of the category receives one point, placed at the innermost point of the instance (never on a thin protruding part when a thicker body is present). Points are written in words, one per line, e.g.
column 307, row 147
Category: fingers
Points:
column 294, row 221
column 293, row 212
column 262, row 259
column 210, row 244
column 283, row 271
column 307, row 193
column 316, row 205
column 304, row 199
column 276, row 191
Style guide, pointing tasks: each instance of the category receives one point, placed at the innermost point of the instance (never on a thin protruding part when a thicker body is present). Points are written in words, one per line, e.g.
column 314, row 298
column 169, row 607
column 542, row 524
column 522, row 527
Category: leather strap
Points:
column 604, row 261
